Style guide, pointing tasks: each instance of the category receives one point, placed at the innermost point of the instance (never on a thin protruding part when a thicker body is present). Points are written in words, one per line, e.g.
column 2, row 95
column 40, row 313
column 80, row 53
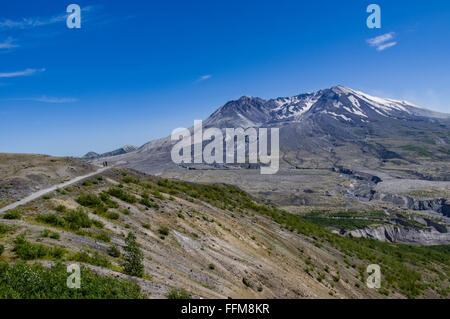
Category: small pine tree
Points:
column 133, row 257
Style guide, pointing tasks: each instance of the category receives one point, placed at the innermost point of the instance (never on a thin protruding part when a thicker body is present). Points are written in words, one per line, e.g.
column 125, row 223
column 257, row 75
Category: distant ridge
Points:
column 123, row 150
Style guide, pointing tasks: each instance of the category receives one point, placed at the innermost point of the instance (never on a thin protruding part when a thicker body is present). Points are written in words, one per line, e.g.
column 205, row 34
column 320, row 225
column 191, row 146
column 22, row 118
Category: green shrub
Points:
column 107, row 200
column 60, row 208
column 54, row 235
column 163, row 230
column 52, row 219
column 13, row 214
column 113, row 216
column 212, row 266
column 113, row 251
column 5, row 229
column 158, row 195
column 97, row 223
column 29, row 251
column 121, row 194
column 73, row 220
column 384, row 291
column 178, row 294
column 22, row 281
column 133, row 257
column 89, row 200
column 2, row 249
column 45, row 233
column 103, row 237
column 125, row 211
column 321, row 277
column 100, row 210
column 92, row 258
column 77, row 219
column 147, row 202
column 128, row 180
column 87, row 183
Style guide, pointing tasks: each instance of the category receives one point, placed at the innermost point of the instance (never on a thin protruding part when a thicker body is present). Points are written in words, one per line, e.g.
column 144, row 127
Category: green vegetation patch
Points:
column 72, row 220
column 30, row 251
column 343, row 223
column 443, row 150
column 133, row 257
column 76, row 221
column 5, row 229
column 346, row 220
column 13, row 214
column 92, row 258
column 148, row 202
column 178, row 294
column 21, row 281
column 422, row 151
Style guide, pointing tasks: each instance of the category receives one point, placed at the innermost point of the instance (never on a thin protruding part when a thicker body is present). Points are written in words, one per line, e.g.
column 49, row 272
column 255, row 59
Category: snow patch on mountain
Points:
column 334, row 115
column 294, row 107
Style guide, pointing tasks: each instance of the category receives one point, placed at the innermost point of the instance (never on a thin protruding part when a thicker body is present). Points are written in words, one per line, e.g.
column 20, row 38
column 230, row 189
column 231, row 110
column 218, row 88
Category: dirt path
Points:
column 49, row 190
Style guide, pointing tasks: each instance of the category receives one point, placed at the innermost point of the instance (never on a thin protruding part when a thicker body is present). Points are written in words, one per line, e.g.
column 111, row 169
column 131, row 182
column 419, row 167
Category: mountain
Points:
column 123, row 150
column 338, row 103
column 330, row 128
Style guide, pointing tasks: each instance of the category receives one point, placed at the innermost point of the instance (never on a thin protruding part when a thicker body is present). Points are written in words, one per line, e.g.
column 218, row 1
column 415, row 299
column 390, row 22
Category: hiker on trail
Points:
column 106, row 164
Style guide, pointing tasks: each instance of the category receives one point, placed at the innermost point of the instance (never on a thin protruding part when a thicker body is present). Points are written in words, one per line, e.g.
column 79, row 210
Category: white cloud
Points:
column 381, row 43
column 27, row 23
column 8, row 44
column 386, row 46
column 204, row 77
column 26, row 72
column 380, row 39
column 47, row 99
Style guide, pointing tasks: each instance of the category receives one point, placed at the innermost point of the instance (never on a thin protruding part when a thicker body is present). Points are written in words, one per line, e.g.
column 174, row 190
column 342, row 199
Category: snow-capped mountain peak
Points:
column 339, row 103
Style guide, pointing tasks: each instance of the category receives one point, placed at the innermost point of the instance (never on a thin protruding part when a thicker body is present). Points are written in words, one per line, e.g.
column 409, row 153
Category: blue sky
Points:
column 138, row 69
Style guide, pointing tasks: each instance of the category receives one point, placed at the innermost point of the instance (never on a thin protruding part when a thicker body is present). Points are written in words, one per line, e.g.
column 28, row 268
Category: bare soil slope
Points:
column 23, row 174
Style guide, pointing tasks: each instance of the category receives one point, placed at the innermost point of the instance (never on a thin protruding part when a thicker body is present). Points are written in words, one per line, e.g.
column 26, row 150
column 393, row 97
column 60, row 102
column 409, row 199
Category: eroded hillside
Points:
column 22, row 174
column 214, row 241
